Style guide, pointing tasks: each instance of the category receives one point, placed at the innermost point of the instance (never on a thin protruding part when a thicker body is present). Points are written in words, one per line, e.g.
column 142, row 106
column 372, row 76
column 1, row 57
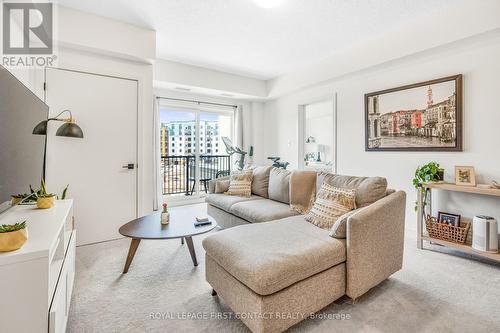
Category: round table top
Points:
column 181, row 224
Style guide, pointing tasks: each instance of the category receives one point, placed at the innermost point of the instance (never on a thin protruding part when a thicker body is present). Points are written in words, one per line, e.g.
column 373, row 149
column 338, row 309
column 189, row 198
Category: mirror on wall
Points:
column 317, row 135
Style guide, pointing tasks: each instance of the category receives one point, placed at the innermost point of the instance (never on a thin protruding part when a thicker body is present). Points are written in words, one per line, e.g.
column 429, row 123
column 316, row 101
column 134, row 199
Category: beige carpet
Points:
column 435, row 292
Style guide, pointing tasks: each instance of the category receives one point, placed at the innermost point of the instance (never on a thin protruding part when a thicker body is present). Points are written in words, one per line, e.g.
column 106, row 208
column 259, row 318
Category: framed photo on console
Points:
column 451, row 219
column 425, row 116
column 465, row 176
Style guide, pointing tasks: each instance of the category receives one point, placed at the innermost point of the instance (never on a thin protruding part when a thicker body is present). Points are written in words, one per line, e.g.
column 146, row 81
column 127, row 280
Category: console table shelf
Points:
column 465, row 189
column 464, row 248
column 455, row 188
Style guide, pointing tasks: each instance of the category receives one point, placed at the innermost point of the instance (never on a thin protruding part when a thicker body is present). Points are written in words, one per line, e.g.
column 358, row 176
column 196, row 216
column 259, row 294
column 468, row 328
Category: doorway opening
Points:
column 317, row 135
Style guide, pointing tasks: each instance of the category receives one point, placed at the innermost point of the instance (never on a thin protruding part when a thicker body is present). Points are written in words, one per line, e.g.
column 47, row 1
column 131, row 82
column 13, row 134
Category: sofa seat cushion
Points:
column 262, row 210
column 268, row 257
column 225, row 202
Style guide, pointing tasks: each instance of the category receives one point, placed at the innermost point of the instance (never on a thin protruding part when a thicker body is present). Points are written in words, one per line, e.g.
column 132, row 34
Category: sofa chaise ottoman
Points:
column 275, row 274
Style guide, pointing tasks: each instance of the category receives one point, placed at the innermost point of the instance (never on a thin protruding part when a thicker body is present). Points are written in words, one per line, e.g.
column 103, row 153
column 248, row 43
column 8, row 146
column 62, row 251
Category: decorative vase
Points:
column 10, row 241
column 45, row 202
column 165, row 216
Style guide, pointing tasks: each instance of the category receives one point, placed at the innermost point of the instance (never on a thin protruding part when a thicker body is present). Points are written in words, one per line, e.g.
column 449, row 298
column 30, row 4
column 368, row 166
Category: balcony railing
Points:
column 179, row 172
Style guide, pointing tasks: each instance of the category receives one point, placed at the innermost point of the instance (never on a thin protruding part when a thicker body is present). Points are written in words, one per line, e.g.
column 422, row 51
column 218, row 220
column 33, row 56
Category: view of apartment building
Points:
column 178, row 138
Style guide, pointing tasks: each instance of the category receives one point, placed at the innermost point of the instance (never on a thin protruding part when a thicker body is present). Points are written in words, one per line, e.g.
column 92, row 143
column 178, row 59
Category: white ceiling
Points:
column 237, row 36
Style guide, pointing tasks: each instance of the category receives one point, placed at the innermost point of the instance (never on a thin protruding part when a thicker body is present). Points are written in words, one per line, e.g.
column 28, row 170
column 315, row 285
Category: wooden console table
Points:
column 455, row 188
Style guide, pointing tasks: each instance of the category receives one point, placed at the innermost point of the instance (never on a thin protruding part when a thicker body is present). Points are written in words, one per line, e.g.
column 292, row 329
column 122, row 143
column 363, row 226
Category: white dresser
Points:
column 36, row 281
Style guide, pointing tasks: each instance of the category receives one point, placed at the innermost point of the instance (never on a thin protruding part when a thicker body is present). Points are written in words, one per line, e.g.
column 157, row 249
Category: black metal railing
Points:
column 179, row 172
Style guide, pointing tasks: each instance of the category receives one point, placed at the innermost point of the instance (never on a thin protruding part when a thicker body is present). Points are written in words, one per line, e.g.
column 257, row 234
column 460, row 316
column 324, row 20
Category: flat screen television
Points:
column 21, row 152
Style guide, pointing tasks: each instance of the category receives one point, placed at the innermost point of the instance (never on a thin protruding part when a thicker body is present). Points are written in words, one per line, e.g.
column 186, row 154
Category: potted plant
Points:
column 17, row 198
column 12, row 236
column 430, row 172
column 45, row 200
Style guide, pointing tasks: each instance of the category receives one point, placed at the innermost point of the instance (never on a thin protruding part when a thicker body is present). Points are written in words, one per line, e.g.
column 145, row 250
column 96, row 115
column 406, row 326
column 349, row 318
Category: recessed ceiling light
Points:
column 182, row 89
column 227, row 95
column 268, row 3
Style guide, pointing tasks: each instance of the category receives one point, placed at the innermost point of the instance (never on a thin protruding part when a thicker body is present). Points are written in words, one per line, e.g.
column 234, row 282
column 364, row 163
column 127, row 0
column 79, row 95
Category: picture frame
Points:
column 425, row 116
column 465, row 176
column 448, row 218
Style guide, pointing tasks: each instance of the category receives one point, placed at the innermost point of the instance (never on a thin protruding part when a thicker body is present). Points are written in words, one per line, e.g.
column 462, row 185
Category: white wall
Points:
column 464, row 20
column 174, row 73
column 477, row 58
column 253, row 128
column 77, row 29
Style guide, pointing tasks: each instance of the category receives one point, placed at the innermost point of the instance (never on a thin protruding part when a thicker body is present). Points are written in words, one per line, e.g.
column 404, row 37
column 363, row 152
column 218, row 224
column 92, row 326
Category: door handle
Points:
column 129, row 166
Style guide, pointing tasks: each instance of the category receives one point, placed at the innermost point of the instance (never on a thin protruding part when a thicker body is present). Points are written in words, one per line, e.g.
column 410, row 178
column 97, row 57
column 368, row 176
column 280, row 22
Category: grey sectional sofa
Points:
column 276, row 269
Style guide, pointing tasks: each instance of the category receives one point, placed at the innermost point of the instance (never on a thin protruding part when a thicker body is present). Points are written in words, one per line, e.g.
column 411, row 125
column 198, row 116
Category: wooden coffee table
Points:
column 149, row 227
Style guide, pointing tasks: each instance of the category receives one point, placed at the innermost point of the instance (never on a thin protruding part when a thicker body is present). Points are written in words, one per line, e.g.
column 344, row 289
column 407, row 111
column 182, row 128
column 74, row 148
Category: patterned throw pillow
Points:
column 331, row 203
column 240, row 184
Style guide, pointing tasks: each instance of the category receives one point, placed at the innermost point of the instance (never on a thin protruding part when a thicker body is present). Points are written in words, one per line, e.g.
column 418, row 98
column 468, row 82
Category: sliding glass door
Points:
column 177, row 145
column 192, row 151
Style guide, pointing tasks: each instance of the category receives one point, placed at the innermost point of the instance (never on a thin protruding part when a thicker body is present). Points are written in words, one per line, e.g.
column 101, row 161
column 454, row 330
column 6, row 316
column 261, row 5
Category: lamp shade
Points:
column 69, row 129
column 41, row 128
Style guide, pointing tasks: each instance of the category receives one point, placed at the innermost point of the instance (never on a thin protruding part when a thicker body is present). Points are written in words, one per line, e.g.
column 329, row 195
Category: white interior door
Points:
column 105, row 193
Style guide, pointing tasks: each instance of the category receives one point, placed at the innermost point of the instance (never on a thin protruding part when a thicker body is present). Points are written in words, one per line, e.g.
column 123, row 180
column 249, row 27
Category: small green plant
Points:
column 12, row 227
column 36, row 193
column 42, row 193
column 430, row 172
column 21, row 195
column 32, row 190
column 64, row 192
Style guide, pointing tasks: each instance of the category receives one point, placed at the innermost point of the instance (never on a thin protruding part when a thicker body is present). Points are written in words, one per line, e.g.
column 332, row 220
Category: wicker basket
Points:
column 447, row 232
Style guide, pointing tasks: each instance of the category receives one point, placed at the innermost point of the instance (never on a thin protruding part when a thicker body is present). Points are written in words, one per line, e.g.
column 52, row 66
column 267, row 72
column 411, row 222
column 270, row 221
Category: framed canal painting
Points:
column 425, row 116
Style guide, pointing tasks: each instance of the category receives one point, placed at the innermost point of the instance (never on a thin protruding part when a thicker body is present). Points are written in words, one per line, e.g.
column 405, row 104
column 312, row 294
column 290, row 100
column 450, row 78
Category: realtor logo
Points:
column 27, row 28
column 27, row 34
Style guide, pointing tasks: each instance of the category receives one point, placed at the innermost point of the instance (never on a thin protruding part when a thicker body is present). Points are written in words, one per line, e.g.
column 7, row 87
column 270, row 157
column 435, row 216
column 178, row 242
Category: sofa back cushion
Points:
column 221, row 186
column 368, row 189
column 260, row 182
column 279, row 185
